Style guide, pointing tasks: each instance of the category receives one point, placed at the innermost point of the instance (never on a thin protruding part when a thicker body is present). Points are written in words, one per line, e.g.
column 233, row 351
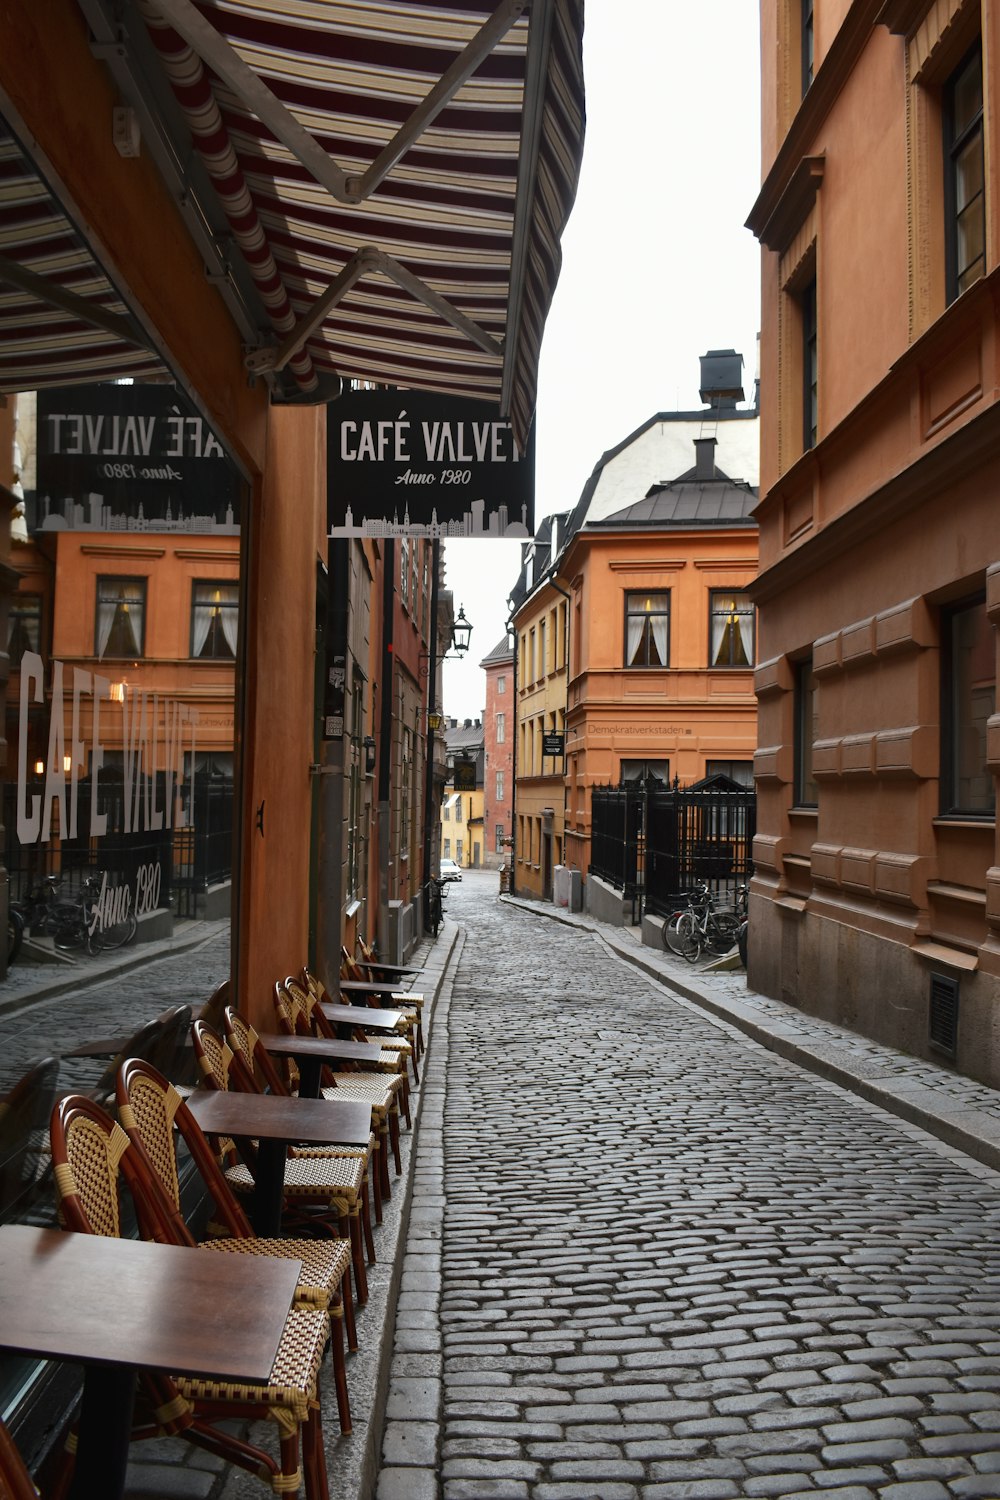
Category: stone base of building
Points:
column 879, row 988
column 606, row 903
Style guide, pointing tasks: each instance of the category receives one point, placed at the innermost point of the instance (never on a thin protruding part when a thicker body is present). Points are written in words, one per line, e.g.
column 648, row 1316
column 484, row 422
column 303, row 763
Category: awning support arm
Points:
column 365, row 261
column 69, row 302
column 224, row 60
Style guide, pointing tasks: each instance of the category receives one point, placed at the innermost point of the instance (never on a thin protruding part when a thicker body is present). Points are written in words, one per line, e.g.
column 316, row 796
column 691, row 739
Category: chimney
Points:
column 467, row 724
column 704, row 459
column 721, row 378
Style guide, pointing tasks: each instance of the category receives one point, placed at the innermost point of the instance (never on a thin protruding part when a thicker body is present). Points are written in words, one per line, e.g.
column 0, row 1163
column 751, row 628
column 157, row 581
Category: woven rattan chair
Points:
column 245, row 1043
column 25, row 1165
column 410, row 1002
column 293, row 1007
column 150, row 1110
column 394, row 1054
column 90, row 1153
column 15, row 1481
column 315, row 1187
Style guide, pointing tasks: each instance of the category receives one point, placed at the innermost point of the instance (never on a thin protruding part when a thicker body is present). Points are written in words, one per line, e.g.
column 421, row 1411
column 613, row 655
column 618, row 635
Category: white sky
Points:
column 657, row 266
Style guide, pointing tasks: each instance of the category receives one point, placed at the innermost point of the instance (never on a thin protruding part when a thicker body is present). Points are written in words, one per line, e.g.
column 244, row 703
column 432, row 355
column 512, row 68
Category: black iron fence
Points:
column 653, row 842
column 167, row 867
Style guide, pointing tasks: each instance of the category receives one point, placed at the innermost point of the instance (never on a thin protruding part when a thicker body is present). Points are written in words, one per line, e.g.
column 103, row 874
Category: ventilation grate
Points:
column 943, row 1023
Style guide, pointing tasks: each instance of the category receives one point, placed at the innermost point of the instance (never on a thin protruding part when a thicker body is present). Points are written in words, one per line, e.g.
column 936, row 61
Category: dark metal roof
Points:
column 502, row 651
column 686, row 503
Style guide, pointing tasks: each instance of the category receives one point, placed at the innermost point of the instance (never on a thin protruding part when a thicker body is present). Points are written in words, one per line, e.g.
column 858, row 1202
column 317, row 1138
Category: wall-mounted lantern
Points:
column 369, row 745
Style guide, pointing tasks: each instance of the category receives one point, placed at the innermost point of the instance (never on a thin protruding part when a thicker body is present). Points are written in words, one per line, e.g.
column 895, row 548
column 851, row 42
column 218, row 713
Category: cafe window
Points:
column 968, row 700
column 24, row 627
column 215, row 617
column 647, row 629
column 732, row 630
column 121, row 617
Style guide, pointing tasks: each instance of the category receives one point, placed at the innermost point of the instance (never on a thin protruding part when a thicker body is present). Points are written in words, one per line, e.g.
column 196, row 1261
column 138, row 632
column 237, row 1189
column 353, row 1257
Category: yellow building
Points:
column 462, row 811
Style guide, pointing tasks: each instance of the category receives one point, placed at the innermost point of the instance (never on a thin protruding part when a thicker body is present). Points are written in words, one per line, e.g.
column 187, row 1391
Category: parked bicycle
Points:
column 705, row 923
column 72, row 921
column 435, row 890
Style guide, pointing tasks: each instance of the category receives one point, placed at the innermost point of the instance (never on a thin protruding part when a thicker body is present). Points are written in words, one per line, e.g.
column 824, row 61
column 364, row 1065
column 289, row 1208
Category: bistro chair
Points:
column 396, row 1051
column 91, row 1153
column 25, row 1164
column 15, row 1481
column 315, row 1187
column 293, row 1008
column 245, row 1043
column 368, row 958
column 216, row 1003
column 411, row 1002
column 150, row 1111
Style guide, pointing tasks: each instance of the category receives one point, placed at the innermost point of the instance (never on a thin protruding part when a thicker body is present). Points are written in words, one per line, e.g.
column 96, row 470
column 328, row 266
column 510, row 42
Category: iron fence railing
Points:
column 652, row 842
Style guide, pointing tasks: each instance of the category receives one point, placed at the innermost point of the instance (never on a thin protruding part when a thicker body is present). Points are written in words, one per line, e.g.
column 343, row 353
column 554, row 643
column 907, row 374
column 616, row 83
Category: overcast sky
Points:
column 657, row 266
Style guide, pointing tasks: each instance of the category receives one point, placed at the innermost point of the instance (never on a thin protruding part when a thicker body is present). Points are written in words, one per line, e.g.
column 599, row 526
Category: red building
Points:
column 498, row 732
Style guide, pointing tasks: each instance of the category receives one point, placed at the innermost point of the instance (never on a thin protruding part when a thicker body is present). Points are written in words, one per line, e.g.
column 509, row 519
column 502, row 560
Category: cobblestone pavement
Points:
column 649, row 1259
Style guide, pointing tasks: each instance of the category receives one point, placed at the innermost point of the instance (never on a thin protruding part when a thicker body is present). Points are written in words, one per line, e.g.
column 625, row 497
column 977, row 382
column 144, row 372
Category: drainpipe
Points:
column 429, row 820
column 566, row 595
column 386, row 941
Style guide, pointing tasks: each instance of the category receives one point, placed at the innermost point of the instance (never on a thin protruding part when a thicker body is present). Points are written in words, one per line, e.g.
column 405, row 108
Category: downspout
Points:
column 567, row 596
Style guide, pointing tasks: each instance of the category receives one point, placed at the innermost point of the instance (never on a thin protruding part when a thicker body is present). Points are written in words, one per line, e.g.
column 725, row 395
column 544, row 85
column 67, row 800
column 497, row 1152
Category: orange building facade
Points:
column 662, row 643
column 876, row 897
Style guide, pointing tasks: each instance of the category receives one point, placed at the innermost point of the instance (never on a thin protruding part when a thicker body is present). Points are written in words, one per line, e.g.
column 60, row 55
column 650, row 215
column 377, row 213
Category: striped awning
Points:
column 380, row 190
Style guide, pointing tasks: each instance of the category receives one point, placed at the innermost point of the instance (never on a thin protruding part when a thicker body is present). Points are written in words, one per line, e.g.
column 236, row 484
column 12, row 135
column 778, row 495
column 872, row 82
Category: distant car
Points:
column 449, row 870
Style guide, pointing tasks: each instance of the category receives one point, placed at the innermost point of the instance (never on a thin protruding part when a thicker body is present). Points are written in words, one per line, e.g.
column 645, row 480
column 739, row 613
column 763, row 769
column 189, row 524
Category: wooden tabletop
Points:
column 362, row 1015
column 316, row 1122
column 90, row 1299
column 372, row 987
column 320, row 1047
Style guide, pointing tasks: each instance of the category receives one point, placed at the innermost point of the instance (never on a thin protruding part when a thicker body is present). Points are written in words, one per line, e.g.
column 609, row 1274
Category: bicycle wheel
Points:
column 689, row 937
column 118, row 934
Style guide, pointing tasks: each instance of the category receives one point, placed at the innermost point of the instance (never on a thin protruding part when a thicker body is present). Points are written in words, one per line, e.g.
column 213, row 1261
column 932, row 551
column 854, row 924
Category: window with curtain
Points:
column 215, row 619
column 647, row 629
column 121, row 617
column 24, row 626
column 732, row 630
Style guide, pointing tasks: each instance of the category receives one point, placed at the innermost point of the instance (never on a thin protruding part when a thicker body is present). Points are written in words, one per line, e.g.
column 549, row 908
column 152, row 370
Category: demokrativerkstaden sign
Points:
column 414, row 463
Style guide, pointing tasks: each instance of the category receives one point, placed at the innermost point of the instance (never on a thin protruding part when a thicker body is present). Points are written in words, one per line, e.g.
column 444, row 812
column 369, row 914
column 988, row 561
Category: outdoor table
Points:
column 310, row 1052
column 276, row 1122
column 372, row 987
column 362, row 1015
column 116, row 1306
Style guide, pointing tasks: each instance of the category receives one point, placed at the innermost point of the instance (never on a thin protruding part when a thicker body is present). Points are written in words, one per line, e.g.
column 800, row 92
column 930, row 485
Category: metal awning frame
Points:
column 124, row 46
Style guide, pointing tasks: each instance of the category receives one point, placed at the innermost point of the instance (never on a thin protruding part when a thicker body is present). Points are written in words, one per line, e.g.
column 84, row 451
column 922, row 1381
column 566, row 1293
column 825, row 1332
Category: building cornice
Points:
column 832, row 74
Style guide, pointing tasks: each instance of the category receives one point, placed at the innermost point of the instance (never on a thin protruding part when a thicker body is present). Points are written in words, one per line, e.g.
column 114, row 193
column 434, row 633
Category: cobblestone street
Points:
column 648, row 1258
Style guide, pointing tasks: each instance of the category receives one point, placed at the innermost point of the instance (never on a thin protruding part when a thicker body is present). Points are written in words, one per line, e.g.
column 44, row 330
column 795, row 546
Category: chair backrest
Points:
column 221, row 1068
column 300, row 1005
column 244, row 1041
column 15, row 1481
column 166, row 1049
column 90, row 1153
column 216, row 1003
column 24, row 1156
column 150, row 1110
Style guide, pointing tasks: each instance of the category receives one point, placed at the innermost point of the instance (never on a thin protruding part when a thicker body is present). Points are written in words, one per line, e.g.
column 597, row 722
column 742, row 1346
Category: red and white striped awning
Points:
column 383, row 187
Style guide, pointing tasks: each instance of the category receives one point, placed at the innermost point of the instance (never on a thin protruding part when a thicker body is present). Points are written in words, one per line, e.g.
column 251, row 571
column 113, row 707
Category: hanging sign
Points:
column 553, row 744
column 465, row 775
column 414, row 463
column 129, row 458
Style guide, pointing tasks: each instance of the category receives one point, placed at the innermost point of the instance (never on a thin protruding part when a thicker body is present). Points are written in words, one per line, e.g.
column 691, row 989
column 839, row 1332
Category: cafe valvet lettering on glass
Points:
column 156, row 735
column 412, row 463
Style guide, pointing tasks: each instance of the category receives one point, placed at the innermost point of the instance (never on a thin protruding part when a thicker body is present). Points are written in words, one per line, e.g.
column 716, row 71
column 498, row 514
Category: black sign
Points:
column 129, row 458
column 465, row 775
column 413, row 463
column 553, row 744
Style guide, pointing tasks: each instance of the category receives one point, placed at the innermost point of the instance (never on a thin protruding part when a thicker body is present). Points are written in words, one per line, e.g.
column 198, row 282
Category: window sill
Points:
column 804, row 814
column 964, row 820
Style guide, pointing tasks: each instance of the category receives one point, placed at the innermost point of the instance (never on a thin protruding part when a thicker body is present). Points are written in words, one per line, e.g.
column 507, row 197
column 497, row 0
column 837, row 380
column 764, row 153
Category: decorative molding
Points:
column 902, row 16
column 205, row 554
column 794, row 204
column 108, row 549
column 773, row 677
column 638, row 565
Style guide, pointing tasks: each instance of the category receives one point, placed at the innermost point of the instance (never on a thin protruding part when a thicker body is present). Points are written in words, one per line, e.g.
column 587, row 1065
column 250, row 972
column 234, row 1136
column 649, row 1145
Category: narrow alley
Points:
column 648, row 1258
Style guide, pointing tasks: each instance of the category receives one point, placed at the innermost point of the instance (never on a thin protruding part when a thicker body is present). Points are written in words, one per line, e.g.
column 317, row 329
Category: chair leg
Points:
column 347, row 1304
column 383, row 1143
column 314, row 1459
column 375, row 1168
column 340, row 1369
column 288, row 1479
column 394, row 1137
column 358, row 1259
column 366, row 1219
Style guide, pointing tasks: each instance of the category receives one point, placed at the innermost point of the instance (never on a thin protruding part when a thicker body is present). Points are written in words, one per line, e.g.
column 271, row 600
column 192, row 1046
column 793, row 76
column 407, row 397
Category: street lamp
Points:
column 461, row 631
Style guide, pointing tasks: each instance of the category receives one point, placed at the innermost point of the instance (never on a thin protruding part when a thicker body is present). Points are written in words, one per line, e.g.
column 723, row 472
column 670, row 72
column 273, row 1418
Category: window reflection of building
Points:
column 24, row 627
column 214, row 620
column 121, row 610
